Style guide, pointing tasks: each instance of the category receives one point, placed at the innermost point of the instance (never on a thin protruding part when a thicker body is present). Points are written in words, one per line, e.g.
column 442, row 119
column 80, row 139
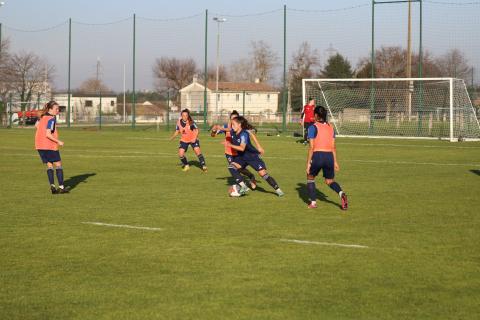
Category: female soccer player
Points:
column 247, row 154
column 322, row 155
column 189, row 136
column 47, row 143
column 229, row 151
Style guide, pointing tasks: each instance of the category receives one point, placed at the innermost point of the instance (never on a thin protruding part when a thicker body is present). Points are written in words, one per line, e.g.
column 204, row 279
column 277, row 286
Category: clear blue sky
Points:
column 347, row 31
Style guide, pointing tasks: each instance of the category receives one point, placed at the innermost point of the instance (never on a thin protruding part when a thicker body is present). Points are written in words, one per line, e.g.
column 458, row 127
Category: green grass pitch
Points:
column 414, row 205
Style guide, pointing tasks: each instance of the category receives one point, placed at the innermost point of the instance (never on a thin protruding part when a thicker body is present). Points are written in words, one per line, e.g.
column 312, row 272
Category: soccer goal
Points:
column 397, row 108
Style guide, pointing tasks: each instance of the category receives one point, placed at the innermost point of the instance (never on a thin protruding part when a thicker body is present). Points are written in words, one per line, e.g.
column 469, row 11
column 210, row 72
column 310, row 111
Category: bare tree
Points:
column 173, row 73
column 390, row 62
column 212, row 73
column 305, row 64
column 27, row 74
column 242, row 70
column 93, row 85
column 454, row 64
column 264, row 60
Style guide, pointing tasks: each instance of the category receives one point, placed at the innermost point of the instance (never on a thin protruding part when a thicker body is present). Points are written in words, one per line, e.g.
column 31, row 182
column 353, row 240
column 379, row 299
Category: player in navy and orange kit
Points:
column 308, row 117
column 47, row 143
column 188, row 130
column 322, row 155
column 230, row 153
column 247, row 155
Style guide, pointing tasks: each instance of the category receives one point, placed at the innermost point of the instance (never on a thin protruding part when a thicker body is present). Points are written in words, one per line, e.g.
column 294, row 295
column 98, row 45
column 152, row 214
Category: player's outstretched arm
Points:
column 310, row 155
column 174, row 134
column 336, row 166
column 257, row 143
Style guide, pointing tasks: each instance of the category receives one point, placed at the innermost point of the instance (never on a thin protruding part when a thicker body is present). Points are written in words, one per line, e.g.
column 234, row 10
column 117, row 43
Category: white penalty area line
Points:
column 332, row 244
column 121, row 226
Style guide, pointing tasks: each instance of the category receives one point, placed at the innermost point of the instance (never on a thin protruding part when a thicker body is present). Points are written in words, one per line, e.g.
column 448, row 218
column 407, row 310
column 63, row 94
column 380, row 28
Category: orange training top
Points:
column 189, row 131
column 324, row 139
column 47, row 122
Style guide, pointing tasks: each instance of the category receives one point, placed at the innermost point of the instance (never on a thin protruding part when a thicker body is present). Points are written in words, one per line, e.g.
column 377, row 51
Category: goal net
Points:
column 402, row 107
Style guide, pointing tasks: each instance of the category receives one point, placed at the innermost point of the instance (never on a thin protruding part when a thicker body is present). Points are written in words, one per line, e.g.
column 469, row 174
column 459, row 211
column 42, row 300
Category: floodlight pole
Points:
column 219, row 21
column 1, row 5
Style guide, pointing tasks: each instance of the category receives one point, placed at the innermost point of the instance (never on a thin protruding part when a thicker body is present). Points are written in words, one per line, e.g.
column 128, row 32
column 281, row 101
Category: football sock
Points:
column 201, row 159
column 270, row 181
column 50, row 176
column 235, row 174
column 250, row 175
column 59, row 171
column 312, row 194
column 184, row 161
column 335, row 187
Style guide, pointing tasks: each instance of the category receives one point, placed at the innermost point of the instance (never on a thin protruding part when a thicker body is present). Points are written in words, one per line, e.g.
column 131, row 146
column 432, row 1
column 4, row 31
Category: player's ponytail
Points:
column 320, row 113
column 244, row 124
column 47, row 107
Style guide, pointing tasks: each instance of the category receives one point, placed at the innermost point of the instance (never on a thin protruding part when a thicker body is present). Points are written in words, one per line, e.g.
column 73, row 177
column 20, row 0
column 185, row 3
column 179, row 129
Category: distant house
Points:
column 145, row 112
column 85, row 107
column 259, row 97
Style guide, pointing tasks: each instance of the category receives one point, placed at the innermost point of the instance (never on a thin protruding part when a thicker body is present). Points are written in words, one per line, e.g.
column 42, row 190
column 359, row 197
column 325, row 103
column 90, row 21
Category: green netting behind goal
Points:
column 428, row 108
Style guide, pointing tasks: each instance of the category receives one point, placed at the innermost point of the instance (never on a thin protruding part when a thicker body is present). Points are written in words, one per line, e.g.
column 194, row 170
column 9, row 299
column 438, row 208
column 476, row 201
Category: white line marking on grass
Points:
column 138, row 154
column 325, row 243
column 121, row 226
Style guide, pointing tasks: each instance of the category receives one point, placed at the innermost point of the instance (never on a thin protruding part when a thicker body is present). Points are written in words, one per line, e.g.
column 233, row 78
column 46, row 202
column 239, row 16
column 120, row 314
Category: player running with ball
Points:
column 189, row 136
column 322, row 155
column 247, row 154
column 229, row 151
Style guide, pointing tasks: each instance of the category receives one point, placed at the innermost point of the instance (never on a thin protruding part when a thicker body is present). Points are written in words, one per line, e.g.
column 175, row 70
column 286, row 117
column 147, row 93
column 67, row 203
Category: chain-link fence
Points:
column 144, row 70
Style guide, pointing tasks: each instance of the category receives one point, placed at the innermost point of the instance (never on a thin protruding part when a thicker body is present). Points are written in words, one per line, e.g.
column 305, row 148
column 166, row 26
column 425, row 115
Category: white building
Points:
column 85, row 107
column 252, row 97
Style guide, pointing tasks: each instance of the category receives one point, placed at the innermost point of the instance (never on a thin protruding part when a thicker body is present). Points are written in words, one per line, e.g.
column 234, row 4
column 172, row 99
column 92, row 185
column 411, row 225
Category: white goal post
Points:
column 420, row 108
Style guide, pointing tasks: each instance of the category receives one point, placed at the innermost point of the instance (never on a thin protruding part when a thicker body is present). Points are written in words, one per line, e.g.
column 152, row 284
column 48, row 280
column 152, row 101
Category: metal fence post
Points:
column 69, row 68
column 243, row 107
column 168, row 110
column 205, row 74
column 284, row 115
column 133, row 74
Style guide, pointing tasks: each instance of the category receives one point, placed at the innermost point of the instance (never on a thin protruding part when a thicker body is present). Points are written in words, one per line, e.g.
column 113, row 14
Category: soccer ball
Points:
column 234, row 191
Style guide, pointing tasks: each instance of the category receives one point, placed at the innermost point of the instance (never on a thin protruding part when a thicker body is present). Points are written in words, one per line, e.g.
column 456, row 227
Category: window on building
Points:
column 268, row 97
column 237, row 97
column 218, row 96
column 112, row 103
column 88, row 103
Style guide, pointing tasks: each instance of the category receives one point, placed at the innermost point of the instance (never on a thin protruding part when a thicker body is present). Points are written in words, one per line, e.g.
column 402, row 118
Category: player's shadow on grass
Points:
column 195, row 163
column 230, row 181
column 303, row 194
column 74, row 181
column 477, row 172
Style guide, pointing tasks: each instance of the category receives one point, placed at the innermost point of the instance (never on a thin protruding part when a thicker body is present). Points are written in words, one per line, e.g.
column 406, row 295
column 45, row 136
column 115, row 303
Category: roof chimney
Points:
column 195, row 78
column 257, row 80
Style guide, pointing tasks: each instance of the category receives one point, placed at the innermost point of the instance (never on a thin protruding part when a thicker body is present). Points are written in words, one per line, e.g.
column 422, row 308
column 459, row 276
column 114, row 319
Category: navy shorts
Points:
column 184, row 145
column 323, row 161
column 229, row 158
column 252, row 160
column 49, row 155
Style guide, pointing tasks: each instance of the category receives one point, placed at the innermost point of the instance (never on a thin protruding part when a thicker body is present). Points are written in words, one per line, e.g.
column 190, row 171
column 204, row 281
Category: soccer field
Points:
column 407, row 248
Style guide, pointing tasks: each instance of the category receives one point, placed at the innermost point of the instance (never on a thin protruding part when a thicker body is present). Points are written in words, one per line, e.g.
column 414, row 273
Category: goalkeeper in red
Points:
column 322, row 156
